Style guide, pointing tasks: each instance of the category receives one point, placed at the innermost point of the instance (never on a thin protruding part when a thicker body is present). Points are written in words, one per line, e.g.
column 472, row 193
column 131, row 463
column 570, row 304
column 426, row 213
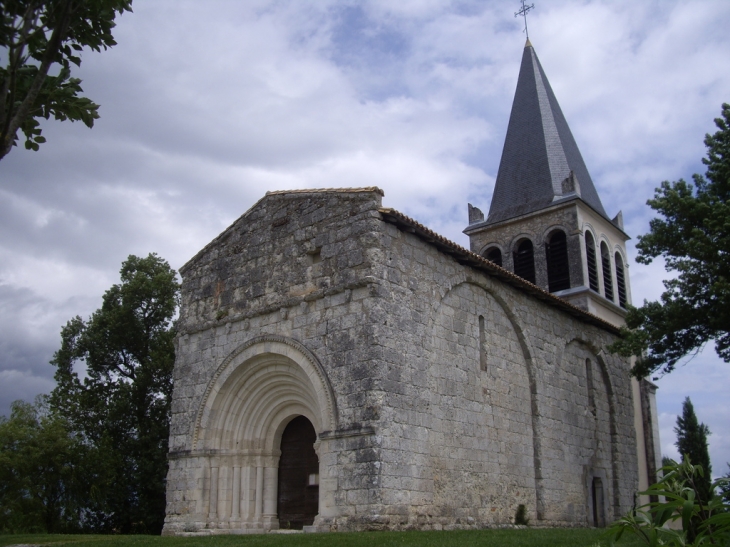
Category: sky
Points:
column 205, row 106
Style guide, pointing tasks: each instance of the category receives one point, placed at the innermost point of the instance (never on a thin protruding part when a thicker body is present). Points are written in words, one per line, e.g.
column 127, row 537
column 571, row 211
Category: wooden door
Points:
column 298, row 497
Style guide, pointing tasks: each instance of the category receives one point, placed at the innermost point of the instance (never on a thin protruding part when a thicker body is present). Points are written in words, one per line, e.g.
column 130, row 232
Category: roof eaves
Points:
column 327, row 190
column 218, row 238
column 466, row 257
column 563, row 201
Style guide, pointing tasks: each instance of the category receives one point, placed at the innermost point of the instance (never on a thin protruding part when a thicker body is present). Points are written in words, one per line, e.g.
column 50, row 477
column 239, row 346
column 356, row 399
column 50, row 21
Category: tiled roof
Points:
column 330, row 190
column 539, row 152
column 468, row 258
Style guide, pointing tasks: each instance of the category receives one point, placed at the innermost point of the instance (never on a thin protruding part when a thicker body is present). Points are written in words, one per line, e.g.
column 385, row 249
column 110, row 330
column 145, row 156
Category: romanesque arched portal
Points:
column 262, row 387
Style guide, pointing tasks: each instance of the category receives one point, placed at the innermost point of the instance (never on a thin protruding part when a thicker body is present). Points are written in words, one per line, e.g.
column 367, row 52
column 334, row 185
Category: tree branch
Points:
column 49, row 57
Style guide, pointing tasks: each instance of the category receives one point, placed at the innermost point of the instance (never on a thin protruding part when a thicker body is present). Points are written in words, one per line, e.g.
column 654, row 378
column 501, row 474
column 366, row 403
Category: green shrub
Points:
column 702, row 523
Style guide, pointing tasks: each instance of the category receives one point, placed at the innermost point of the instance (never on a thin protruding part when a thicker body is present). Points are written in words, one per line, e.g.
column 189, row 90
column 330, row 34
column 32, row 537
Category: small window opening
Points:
column 313, row 479
column 589, row 383
column 607, row 277
column 591, row 258
column 482, row 344
column 556, row 253
column 525, row 261
column 620, row 281
column 494, row 255
column 315, row 256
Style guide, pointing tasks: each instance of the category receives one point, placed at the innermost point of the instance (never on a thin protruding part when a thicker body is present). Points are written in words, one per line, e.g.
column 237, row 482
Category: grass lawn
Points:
column 531, row 537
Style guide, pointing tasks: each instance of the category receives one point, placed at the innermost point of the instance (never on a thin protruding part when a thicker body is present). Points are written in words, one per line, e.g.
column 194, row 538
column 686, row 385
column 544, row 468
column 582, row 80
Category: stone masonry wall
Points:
column 463, row 446
column 297, row 266
column 444, row 420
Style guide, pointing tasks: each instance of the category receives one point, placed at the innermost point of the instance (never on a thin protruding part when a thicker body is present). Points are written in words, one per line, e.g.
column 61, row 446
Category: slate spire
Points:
column 541, row 163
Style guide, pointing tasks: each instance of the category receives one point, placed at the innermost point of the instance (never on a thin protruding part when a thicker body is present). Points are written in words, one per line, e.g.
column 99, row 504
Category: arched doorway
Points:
column 599, row 511
column 254, row 395
column 298, row 492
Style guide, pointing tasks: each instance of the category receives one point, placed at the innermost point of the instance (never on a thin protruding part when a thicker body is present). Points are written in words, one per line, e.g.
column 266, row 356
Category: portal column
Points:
column 236, row 494
column 271, row 484
column 259, row 504
column 246, row 489
column 213, row 510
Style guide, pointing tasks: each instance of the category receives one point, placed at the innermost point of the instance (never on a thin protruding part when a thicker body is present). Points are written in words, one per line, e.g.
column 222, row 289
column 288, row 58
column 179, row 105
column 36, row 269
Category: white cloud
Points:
column 206, row 107
column 25, row 385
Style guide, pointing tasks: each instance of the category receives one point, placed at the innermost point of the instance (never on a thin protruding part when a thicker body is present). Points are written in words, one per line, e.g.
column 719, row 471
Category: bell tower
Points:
column 546, row 222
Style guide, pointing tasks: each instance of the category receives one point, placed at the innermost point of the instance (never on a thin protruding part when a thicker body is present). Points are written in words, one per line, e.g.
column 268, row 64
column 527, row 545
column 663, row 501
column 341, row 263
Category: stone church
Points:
column 342, row 367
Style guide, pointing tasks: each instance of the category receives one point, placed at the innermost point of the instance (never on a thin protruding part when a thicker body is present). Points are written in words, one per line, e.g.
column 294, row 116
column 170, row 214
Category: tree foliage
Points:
column 122, row 406
column 692, row 234
column 692, row 444
column 724, row 488
column 35, row 35
column 43, row 480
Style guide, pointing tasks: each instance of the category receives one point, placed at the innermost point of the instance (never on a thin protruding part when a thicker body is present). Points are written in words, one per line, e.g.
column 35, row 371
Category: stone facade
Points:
column 445, row 391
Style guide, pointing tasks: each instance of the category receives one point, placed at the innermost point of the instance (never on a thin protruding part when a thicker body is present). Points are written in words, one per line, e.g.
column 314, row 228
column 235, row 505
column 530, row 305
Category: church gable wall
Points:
column 295, row 270
column 309, row 275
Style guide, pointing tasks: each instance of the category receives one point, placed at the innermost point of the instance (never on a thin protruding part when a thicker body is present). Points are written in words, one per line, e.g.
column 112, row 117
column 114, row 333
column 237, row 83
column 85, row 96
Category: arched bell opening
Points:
column 558, row 269
column 493, row 254
column 591, row 259
column 298, row 489
column 620, row 280
column 607, row 273
column 524, row 260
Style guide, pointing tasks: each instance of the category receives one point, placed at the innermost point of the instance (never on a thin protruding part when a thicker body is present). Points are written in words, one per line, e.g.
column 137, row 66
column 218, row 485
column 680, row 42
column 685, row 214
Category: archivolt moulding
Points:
column 263, row 382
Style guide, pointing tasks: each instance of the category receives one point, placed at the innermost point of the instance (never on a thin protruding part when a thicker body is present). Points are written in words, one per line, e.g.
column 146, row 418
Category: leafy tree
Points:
column 43, row 482
column 34, row 36
column 692, row 444
column 122, row 406
column 693, row 237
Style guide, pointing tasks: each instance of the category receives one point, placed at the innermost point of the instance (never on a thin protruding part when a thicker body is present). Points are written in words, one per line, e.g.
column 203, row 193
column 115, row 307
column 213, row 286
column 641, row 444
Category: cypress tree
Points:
column 692, row 442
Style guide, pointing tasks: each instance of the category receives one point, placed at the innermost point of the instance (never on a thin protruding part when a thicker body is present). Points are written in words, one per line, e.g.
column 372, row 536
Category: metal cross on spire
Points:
column 523, row 12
